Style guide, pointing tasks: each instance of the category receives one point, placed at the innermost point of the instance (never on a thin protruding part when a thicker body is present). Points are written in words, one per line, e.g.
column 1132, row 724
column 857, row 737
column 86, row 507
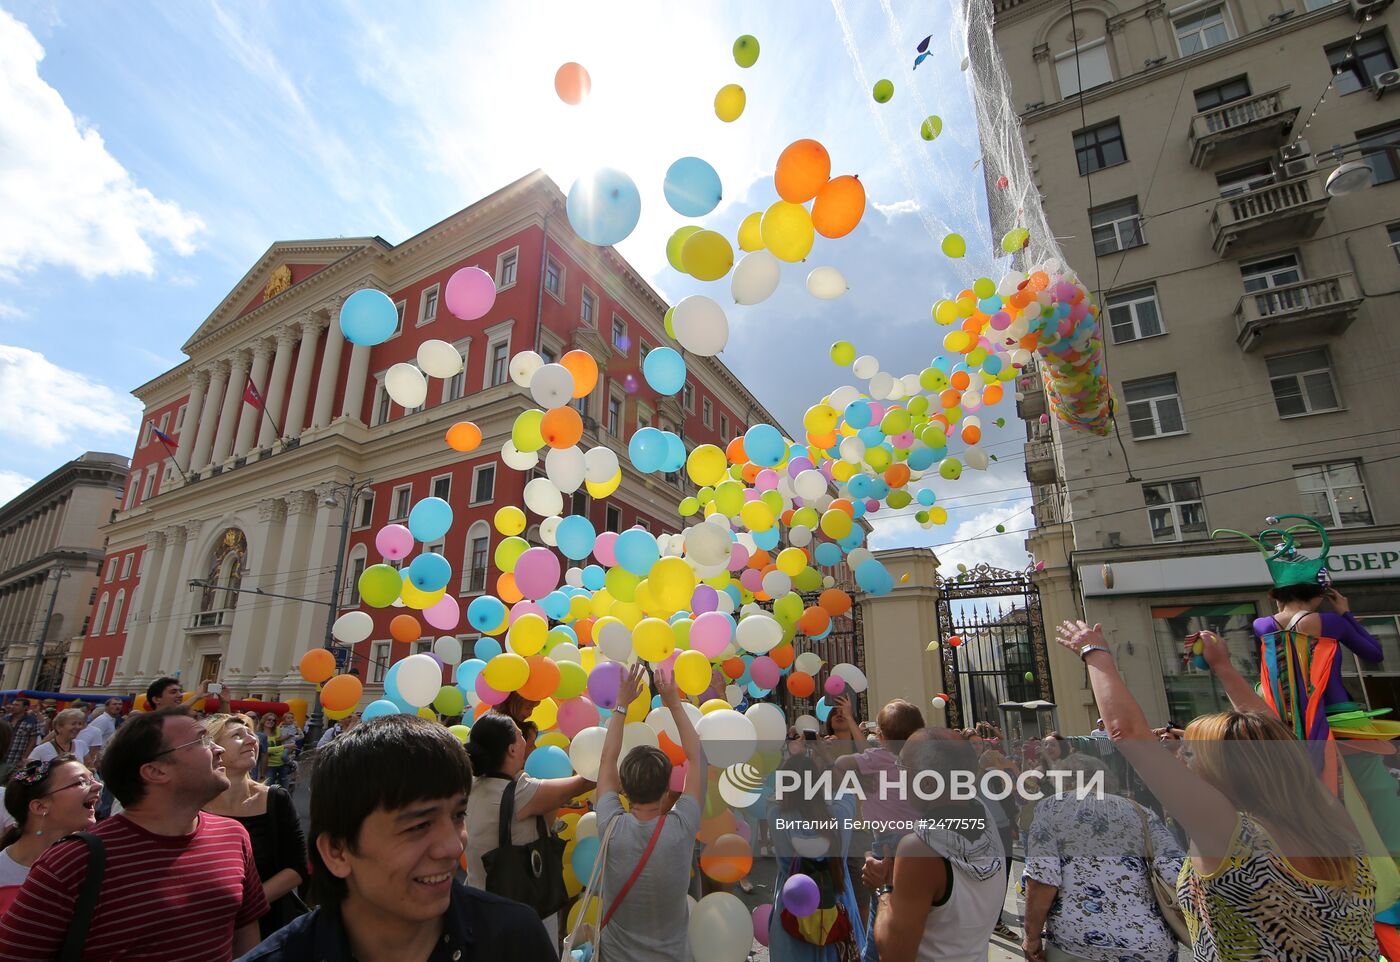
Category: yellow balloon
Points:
column 640, row 707
column 428, row 713
column 750, row 237
column 603, row 489
column 510, row 520
column 820, row 419
column 417, row 599
column 588, row 658
column 938, row 514
column 506, row 672
column 706, row 465
column 557, row 739
column 590, row 915
column 707, row 256
column 646, row 600
column 714, row 704
column 572, row 886
column 627, row 612
column 787, row 231
column 526, row 430
column 692, row 672
column 527, row 635
column 806, row 517
column 501, row 628
column 954, row 246
column 672, row 582
column 729, row 103
column 945, row 312
column 621, row 584
column 791, row 561
column 836, row 524
column 756, row 515
column 676, row 242
column 653, row 639
column 602, row 603
column 545, row 715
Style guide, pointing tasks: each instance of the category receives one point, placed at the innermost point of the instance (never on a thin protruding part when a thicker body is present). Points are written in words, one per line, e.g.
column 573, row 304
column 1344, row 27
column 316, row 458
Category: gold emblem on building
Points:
column 281, row 280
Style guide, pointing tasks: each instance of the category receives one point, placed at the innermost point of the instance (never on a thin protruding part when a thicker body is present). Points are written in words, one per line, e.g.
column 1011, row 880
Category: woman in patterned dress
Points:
column 1275, row 871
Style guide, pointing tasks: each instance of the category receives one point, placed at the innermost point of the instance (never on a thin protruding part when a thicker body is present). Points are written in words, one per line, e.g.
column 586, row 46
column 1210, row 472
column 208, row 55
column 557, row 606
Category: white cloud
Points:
column 64, row 199
column 12, row 484
column 906, row 206
column 47, row 405
column 8, row 312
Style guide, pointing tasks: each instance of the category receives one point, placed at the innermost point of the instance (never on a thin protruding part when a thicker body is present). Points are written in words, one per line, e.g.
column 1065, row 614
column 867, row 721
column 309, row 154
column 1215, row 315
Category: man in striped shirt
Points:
column 180, row 885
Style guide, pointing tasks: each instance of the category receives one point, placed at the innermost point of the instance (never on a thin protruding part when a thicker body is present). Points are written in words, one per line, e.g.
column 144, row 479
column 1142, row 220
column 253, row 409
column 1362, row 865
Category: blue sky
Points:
column 149, row 153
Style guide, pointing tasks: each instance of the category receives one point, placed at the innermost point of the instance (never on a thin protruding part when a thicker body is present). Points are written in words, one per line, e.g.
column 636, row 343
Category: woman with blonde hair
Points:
column 63, row 738
column 1275, row 869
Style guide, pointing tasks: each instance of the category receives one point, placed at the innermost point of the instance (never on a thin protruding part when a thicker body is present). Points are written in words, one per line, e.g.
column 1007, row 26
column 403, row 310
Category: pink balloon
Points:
column 905, row 440
column 704, row 599
column 471, row 292
column 575, row 715
column 445, row 615
column 488, row 694
column 537, row 573
column 765, row 672
column 526, row 608
column 738, row 556
column 835, row 685
column 678, row 777
column 710, row 633
column 767, row 480
column 603, row 549
column 394, row 541
column 762, row 919
column 751, row 579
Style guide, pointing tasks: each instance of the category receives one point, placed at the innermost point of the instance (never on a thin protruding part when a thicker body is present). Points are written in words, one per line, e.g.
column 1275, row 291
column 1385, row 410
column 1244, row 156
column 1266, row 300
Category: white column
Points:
column 330, row 374
column 184, row 602
column 280, row 638
column 324, row 539
column 209, row 416
column 301, row 380
column 199, row 382
column 144, row 593
column 250, row 613
column 355, row 381
column 249, row 415
column 233, row 400
column 277, row 385
column 150, row 641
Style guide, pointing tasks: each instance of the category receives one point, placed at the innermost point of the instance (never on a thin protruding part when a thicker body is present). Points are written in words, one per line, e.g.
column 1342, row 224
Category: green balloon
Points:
column 1001, row 529
column 898, row 499
column 950, row 469
column 380, row 585
column 843, row 353
column 1030, row 676
column 449, row 700
column 884, row 90
column 931, row 127
column 746, row 51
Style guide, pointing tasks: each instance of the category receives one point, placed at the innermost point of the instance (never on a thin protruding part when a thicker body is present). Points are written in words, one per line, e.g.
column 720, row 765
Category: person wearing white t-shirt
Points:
column 65, row 739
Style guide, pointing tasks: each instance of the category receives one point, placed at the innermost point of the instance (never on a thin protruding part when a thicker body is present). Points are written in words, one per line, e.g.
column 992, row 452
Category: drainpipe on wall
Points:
column 539, row 295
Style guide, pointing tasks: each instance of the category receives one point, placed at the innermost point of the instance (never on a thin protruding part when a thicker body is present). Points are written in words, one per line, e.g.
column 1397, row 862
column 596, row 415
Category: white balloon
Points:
column 852, row 450
column 587, row 826
column 758, row 633
column 518, row 459
column 828, row 581
column 726, row 605
column 543, row 498
column 852, row 676
column 599, row 464
column 865, row 367
column 841, row 398
column 808, row 662
column 636, row 735
column 769, row 724
column 700, row 325
column 662, row 723
column 449, row 649
column 586, row 752
column 910, row 384
column 755, row 277
column 776, row 584
column 807, row 723
column 727, row 736
column 809, row 485
column 439, row 359
column 566, row 468
column 549, row 530
column 566, row 651
column 856, row 556
column 552, row 386
column 708, row 544
column 352, row 627
column 881, row 384
column 799, row 536
column 734, row 695
column 574, row 577
column 615, row 640
column 523, row 367
column 975, row 458
column 406, row 385
column 420, row 678
column 939, row 701
column 826, row 283
column 720, row 929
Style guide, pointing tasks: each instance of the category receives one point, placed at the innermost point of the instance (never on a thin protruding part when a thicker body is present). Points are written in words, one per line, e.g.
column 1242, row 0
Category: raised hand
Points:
column 631, row 687
column 1074, row 635
column 665, row 682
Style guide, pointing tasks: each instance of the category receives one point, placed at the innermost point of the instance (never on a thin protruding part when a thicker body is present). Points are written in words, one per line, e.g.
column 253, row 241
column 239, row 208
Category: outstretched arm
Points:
column 697, row 774
column 1349, row 631
column 1240, row 692
column 608, row 780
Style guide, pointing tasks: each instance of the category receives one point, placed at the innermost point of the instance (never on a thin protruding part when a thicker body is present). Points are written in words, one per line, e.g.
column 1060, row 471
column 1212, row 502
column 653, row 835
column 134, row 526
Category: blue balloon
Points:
column 692, row 188
column 768, row 540
column 430, row 519
column 486, row 648
column 858, row 509
column 859, row 486
column 871, row 437
column 378, row 709
column 853, row 540
column 828, row 554
column 872, row 577
column 593, row 578
column 858, row 414
column 575, row 536
column 732, row 590
column 664, row 370
column 757, row 692
column 368, row 317
column 879, row 489
column 822, row 711
column 548, row 761
column 647, row 450
column 764, row 445
column 430, row 571
column 486, row 613
column 391, row 684
column 675, row 453
column 926, row 497
column 604, row 207
column 560, row 634
column 555, row 604
column 584, row 855
column 467, row 672
column 636, row 551
column 921, row 459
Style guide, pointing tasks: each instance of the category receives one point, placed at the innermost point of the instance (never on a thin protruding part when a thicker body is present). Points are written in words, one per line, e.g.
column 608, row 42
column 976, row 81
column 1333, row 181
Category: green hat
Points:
column 1287, row 565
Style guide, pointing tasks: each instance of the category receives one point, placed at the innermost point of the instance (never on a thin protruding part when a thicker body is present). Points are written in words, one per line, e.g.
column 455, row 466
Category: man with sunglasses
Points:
column 179, row 884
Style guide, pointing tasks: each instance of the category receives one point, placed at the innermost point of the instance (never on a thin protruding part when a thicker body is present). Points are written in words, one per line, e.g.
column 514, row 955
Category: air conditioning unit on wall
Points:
column 1388, row 80
column 1360, row 8
column 1296, row 160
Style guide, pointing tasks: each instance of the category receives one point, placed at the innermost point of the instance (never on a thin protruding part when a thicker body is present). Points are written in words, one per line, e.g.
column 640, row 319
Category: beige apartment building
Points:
column 1187, row 156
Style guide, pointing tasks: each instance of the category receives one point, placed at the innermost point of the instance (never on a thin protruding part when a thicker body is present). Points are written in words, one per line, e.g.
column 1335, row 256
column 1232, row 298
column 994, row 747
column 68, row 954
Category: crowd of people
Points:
column 1220, row 836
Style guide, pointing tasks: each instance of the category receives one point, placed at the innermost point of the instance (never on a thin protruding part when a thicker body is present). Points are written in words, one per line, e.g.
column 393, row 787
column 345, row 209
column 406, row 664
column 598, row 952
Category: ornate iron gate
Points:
column 999, row 642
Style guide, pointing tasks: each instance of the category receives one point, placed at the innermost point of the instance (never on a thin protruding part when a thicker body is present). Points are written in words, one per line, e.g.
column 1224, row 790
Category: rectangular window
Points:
column 111, row 571
column 1175, row 510
column 578, row 503
column 724, row 426
column 400, row 308
column 428, row 305
column 1134, row 314
column 116, row 615
column 615, row 415
column 707, row 412
column 480, row 561
column 1084, row 68
column 366, row 514
column 582, row 406
column 1208, row 98
column 145, row 433
column 1334, row 493
column 352, row 587
column 1154, row 407
column 505, row 269
column 402, row 500
column 436, row 547
column 612, row 519
column 500, row 362
column 442, row 487
column 588, row 308
column 619, row 334
column 1381, row 149
column 1099, row 147
column 688, row 397
column 554, row 278
column 549, row 354
column 457, row 385
column 1357, row 62
column 180, row 418
column 126, row 565
column 1202, row 29
column 164, row 423
column 643, row 349
column 149, row 486
column 1393, row 231
column 643, row 416
column 1193, row 691
column 381, row 403
column 1116, row 226
column 1302, row 383
column 1263, row 278
column 101, row 678
column 644, row 524
column 422, row 646
column 85, row 674
column 483, row 483
column 131, row 491
column 1239, row 180
column 378, row 661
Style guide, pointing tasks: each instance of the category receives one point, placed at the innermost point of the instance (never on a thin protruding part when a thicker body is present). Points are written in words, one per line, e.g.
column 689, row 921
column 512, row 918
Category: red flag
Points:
column 251, row 395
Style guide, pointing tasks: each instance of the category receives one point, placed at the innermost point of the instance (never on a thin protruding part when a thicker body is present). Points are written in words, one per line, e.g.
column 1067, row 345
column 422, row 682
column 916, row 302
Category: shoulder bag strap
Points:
column 86, row 902
column 636, row 872
column 595, row 879
column 507, row 814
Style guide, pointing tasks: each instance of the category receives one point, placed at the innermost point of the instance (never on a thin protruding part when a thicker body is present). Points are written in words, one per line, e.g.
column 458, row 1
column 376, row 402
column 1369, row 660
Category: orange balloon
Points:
column 735, row 452
column 750, row 472
column 949, row 397
column 759, row 559
column 783, row 656
column 727, row 859
column 506, row 588
column 481, row 709
column 318, row 664
column 584, row 629
column 897, row 475
column 839, row 206
column 960, row 380
column 463, row 436
column 561, row 427
column 713, row 827
column 804, row 167
column 814, row 620
column 733, row 667
column 139, row 703
column 572, row 83
column 403, row 628
column 341, row 692
column 673, row 751
column 801, row 685
column 992, row 393
column 584, row 369
column 971, row 434
column 841, row 504
column 835, row 601
column 543, row 680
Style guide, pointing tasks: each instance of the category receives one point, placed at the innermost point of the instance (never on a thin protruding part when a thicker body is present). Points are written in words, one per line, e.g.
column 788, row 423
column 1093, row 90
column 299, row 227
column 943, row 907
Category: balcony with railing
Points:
column 1030, row 395
column 217, row 618
column 1287, row 210
column 1040, row 462
column 1318, row 307
column 1045, row 505
column 1254, row 123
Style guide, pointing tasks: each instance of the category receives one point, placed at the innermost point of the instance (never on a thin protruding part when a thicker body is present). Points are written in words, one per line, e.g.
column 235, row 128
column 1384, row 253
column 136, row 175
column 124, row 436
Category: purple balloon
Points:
column 704, row 599
column 394, row 541
column 603, row 683
column 471, row 292
column 537, row 573
column 765, row 673
column 801, row 895
column 798, row 465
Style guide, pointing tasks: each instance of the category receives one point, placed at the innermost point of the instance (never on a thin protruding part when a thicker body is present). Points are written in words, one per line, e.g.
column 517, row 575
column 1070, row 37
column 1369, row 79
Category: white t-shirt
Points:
column 484, row 821
column 102, row 727
column 45, row 750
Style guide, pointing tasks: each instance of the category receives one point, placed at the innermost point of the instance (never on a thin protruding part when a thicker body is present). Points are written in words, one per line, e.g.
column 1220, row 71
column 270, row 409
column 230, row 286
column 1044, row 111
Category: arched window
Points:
column 116, row 618
column 476, row 565
column 225, row 572
column 101, row 615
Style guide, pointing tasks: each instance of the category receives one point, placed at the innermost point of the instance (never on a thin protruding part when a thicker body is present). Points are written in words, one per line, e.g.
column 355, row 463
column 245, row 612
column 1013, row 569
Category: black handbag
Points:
column 532, row 874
